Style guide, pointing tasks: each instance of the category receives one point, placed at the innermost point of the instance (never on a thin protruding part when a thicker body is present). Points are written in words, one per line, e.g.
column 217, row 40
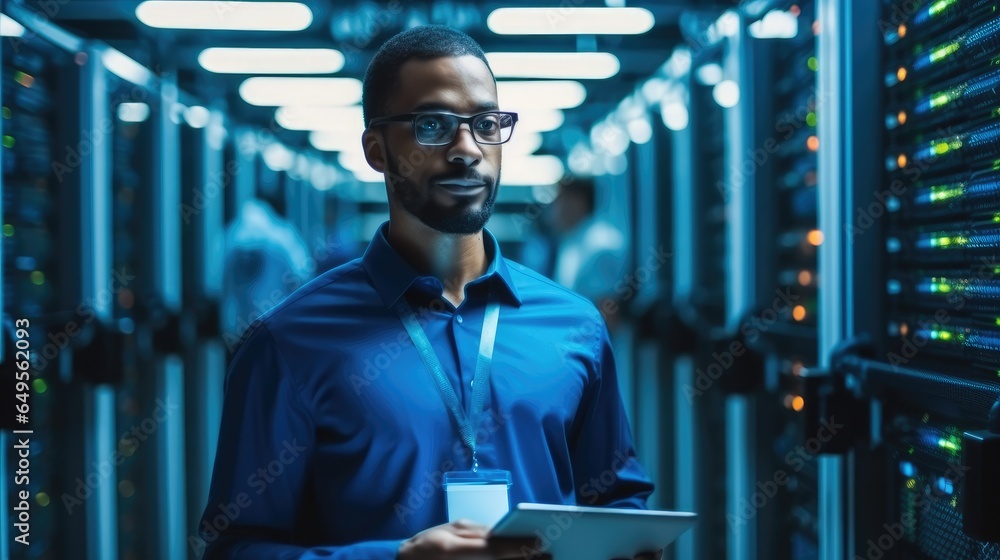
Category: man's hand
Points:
column 460, row 540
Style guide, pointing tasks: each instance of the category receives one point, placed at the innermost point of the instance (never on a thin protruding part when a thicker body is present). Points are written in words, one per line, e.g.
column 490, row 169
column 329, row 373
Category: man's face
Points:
column 449, row 188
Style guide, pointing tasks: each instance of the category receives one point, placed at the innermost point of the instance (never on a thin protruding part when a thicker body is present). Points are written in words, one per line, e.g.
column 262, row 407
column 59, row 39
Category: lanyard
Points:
column 480, row 383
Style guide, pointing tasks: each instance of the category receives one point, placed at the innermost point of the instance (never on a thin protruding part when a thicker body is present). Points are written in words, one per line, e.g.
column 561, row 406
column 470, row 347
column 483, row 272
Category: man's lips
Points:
column 462, row 183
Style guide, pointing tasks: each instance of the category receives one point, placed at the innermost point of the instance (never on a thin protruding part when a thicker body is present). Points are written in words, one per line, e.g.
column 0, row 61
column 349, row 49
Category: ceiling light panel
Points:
column 342, row 120
column 571, row 65
column 550, row 94
column 275, row 91
column 225, row 60
column 228, row 16
column 570, row 21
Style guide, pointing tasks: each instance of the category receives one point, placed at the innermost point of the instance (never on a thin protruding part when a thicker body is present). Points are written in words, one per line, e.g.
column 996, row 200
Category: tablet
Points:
column 585, row 533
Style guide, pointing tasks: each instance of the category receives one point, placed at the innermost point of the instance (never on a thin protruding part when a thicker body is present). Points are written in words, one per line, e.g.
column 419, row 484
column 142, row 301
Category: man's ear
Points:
column 374, row 153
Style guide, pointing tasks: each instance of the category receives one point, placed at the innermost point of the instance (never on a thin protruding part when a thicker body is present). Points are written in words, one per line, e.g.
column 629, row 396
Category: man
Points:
column 335, row 434
column 591, row 255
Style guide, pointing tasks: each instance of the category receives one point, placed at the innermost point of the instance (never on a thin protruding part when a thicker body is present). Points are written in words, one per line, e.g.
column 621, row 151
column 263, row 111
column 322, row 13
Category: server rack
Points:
column 931, row 367
column 699, row 297
column 207, row 177
column 783, row 327
column 42, row 294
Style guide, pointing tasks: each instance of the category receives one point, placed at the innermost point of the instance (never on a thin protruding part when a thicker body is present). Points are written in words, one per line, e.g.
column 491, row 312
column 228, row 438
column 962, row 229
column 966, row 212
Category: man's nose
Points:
column 464, row 149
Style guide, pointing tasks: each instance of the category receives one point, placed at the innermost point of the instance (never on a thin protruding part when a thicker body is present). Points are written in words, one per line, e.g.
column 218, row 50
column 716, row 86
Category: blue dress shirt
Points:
column 334, row 436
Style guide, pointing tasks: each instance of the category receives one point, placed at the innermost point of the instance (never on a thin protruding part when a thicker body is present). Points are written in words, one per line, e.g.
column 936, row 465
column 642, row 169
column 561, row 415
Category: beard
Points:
column 465, row 217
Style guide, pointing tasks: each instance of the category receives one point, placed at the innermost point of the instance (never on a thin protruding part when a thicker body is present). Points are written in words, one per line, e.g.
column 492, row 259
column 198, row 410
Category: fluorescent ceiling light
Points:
column 777, row 24
column 675, row 116
column 538, row 120
column 125, row 68
column 531, row 171
column 555, row 94
column 335, row 141
column 709, row 74
column 228, row 15
column 608, row 137
column 726, row 93
column 197, row 116
column 353, row 160
column 572, row 65
column 522, row 143
column 225, row 60
column 133, row 112
column 570, row 21
column 274, row 92
column 10, row 28
column 679, row 62
column 345, row 120
column 278, row 158
column 368, row 175
column 639, row 130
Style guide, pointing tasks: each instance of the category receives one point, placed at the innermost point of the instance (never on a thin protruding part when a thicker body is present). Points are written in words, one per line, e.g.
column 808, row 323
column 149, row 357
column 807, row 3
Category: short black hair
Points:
column 424, row 42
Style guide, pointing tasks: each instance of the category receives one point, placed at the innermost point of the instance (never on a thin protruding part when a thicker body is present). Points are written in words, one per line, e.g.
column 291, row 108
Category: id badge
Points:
column 480, row 496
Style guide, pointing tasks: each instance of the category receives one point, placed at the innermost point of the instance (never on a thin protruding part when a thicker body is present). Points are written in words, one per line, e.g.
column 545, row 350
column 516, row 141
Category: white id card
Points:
column 480, row 496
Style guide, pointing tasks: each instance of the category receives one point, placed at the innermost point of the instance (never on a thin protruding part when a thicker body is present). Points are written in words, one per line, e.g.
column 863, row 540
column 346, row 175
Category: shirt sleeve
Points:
column 606, row 471
column 266, row 443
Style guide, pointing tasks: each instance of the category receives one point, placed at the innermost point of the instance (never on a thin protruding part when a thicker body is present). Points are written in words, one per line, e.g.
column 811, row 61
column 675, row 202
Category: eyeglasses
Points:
column 439, row 129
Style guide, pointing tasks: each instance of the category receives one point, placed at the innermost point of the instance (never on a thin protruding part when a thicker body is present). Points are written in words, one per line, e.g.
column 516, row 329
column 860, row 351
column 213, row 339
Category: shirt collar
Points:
column 392, row 275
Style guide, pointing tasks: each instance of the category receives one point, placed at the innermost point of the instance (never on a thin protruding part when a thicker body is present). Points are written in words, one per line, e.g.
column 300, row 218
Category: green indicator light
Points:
column 946, row 192
column 998, row 321
column 940, row 6
column 8, row 141
column 37, row 277
column 943, row 98
column 942, row 148
column 40, row 385
column 813, row 63
column 8, row 230
column 811, row 119
column 944, row 52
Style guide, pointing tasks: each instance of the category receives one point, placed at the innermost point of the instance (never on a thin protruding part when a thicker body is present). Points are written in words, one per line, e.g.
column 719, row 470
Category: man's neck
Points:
column 454, row 259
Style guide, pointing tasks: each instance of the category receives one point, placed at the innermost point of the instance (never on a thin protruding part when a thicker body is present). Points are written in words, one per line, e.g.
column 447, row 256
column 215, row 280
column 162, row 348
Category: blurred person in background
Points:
column 265, row 260
column 344, row 406
column 591, row 252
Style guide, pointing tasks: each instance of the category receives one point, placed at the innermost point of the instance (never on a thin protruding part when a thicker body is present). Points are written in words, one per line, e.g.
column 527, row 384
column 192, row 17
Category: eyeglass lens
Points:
column 438, row 128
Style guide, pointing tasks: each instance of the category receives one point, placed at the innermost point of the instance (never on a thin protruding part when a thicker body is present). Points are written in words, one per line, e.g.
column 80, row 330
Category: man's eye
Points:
column 431, row 124
column 487, row 125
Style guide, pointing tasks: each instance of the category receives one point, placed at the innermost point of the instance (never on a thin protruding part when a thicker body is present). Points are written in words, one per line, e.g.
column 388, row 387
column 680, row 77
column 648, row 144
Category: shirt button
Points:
column 459, row 319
